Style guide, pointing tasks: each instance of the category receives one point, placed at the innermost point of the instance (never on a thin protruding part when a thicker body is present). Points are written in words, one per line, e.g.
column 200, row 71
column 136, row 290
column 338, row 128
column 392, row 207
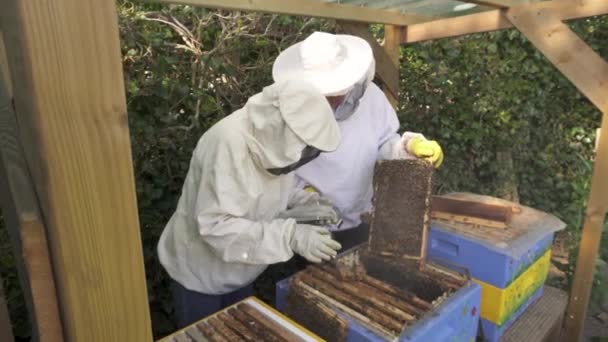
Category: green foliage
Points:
column 10, row 284
column 481, row 97
column 484, row 94
column 493, row 93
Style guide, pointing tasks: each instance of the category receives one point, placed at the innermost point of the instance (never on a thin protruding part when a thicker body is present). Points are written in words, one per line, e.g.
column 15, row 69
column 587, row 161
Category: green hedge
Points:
column 509, row 122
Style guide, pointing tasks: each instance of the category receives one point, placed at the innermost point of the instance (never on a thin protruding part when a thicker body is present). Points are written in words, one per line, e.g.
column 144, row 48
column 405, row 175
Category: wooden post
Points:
column 5, row 81
column 69, row 96
column 590, row 242
column 392, row 45
column 24, row 222
column 385, row 68
column 589, row 73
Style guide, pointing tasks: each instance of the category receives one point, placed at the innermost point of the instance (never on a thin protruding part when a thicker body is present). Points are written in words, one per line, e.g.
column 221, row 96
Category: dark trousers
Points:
column 352, row 237
column 191, row 306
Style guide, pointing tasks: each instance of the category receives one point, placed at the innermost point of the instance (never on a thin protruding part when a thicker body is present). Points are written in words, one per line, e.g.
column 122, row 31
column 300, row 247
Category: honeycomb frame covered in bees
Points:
column 385, row 290
column 400, row 218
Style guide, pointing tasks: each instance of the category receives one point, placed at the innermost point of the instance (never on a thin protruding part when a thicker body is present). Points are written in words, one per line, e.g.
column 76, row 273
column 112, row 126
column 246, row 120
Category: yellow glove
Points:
column 426, row 149
column 310, row 188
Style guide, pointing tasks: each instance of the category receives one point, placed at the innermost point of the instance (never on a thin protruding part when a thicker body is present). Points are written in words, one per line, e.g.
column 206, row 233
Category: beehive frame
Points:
column 68, row 191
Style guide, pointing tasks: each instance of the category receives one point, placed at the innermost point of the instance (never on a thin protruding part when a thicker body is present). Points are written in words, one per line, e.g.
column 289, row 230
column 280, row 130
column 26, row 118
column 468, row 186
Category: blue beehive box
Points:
column 386, row 290
column 510, row 264
column 454, row 317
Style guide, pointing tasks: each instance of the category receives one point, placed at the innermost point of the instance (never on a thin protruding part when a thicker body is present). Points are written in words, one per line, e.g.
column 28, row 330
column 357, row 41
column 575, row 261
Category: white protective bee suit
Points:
column 368, row 135
column 223, row 233
column 343, row 65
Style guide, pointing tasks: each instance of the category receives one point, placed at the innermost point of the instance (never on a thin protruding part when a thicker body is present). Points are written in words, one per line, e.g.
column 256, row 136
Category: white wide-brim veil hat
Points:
column 333, row 63
column 285, row 118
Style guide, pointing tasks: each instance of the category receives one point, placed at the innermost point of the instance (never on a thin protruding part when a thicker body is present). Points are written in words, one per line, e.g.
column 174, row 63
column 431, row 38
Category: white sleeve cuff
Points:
column 397, row 148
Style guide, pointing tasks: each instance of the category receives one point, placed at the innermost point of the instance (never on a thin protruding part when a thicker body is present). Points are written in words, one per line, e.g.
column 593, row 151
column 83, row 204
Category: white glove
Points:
column 318, row 199
column 324, row 213
column 302, row 197
column 314, row 243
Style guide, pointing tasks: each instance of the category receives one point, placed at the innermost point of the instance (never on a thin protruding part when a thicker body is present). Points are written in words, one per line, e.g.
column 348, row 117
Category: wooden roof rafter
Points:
column 311, row 8
column 433, row 8
column 495, row 20
column 499, row 3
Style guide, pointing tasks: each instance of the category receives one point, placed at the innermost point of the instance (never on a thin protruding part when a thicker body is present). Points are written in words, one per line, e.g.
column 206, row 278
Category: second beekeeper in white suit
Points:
column 226, row 229
column 342, row 68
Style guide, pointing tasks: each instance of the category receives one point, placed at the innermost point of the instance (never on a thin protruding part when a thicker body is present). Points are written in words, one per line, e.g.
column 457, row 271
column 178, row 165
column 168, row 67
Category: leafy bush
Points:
column 10, row 284
column 510, row 123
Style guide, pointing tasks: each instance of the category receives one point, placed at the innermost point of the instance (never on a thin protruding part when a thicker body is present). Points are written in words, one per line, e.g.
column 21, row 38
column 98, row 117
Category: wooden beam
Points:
column 5, row 81
column 589, row 73
column 69, row 96
column 456, row 26
column 494, row 20
column 590, row 242
column 386, row 69
column 309, row 8
column 392, row 45
column 568, row 53
column 498, row 3
column 24, row 222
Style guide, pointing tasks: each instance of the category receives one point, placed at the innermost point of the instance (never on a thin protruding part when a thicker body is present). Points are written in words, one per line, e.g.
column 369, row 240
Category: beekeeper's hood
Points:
column 286, row 117
column 334, row 63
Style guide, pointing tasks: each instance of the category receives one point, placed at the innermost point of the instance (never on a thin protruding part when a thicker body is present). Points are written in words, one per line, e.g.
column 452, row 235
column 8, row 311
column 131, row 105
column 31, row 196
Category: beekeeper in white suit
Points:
column 342, row 67
column 225, row 230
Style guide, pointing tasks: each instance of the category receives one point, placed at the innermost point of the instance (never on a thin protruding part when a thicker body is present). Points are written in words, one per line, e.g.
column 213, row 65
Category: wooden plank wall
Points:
column 69, row 96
